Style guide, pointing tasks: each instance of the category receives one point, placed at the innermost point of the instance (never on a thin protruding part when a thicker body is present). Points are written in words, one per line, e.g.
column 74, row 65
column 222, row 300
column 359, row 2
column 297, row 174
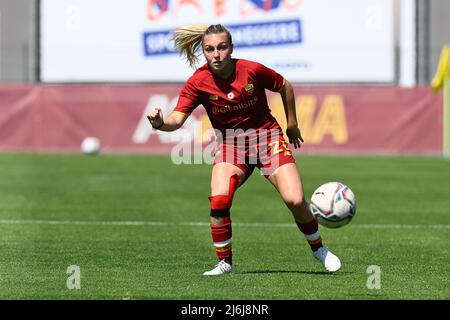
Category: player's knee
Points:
column 296, row 202
column 222, row 202
column 220, row 206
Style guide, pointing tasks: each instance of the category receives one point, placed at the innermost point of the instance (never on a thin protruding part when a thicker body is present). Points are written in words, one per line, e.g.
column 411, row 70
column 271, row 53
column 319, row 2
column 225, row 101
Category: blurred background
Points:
column 71, row 69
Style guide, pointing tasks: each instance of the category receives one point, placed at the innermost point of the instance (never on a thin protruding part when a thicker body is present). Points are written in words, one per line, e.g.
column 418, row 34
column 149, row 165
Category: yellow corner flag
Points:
column 441, row 81
column 443, row 70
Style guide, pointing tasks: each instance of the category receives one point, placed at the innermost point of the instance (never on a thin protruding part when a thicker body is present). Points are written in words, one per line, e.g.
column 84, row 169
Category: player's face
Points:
column 217, row 50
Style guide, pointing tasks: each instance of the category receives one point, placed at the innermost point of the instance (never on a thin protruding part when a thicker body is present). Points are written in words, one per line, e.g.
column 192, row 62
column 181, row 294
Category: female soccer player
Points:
column 233, row 93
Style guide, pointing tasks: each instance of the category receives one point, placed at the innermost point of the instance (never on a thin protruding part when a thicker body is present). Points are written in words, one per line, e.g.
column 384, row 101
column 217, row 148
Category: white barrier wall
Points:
column 305, row 40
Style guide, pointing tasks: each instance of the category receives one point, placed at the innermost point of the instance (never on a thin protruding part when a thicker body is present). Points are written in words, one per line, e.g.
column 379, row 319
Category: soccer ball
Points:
column 90, row 145
column 333, row 204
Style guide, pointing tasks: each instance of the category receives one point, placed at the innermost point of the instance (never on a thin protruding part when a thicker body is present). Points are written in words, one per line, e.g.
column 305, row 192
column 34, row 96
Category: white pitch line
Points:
column 202, row 224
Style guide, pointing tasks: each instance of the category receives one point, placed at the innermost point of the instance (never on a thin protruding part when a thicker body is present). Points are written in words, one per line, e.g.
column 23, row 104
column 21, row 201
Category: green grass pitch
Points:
column 137, row 227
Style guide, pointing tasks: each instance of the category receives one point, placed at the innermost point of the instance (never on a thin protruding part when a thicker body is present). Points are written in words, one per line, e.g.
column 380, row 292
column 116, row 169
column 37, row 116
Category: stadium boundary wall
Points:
column 339, row 120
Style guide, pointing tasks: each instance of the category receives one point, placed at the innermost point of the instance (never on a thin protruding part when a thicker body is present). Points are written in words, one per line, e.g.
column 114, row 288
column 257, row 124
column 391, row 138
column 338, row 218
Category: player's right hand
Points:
column 156, row 118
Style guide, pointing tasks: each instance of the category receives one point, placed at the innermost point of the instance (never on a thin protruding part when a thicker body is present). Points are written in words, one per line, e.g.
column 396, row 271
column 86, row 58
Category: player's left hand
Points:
column 295, row 137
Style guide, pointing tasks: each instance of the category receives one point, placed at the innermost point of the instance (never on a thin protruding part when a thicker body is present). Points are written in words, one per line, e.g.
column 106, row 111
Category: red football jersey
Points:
column 238, row 102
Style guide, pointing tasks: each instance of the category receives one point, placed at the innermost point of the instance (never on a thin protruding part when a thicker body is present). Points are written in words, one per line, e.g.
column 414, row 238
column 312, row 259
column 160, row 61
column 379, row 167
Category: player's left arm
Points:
column 288, row 98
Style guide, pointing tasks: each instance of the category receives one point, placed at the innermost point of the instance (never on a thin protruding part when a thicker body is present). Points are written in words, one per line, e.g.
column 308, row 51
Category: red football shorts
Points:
column 265, row 149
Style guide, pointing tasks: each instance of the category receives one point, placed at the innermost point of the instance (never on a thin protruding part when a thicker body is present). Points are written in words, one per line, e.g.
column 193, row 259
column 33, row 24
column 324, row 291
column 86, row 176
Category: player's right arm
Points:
column 188, row 100
column 173, row 122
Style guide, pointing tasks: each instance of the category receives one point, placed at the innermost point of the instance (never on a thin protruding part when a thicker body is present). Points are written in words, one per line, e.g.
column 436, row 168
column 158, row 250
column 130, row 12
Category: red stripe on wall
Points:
column 364, row 120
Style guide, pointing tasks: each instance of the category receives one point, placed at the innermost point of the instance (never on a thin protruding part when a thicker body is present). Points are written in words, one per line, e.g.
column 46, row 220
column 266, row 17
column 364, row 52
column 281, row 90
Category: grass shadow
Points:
column 294, row 271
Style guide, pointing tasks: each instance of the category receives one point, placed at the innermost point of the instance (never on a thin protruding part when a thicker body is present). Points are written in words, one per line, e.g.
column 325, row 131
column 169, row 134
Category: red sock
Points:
column 312, row 234
column 220, row 208
column 221, row 236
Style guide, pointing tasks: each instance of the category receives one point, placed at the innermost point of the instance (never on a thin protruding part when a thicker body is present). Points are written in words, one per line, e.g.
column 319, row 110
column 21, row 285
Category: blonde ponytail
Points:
column 188, row 40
